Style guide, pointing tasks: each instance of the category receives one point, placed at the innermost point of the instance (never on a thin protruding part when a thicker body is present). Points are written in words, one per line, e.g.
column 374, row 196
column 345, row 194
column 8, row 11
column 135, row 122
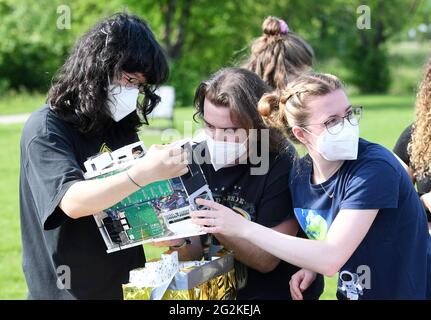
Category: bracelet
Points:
column 130, row 178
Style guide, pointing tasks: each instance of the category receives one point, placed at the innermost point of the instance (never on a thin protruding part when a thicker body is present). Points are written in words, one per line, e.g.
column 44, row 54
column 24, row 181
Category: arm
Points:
column 407, row 168
column 326, row 257
column 400, row 150
column 89, row 197
column 85, row 198
column 252, row 255
column 274, row 210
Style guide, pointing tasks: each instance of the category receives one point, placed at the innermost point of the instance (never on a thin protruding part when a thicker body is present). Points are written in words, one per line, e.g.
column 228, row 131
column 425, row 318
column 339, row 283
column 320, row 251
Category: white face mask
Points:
column 122, row 100
column 340, row 146
column 223, row 153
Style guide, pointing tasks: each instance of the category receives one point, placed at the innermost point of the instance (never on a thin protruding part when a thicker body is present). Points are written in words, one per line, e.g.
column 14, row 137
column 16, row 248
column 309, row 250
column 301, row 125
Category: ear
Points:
column 299, row 134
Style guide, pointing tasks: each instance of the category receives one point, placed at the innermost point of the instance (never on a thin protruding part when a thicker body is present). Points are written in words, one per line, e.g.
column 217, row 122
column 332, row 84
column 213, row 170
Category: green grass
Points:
column 24, row 102
column 383, row 120
column 12, row 285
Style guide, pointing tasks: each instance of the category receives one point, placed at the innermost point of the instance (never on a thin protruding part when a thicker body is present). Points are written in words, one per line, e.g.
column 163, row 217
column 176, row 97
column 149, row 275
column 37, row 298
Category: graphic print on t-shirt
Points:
column 349, row 287
column 315, row 223
column 105, row 148
column 236, row 202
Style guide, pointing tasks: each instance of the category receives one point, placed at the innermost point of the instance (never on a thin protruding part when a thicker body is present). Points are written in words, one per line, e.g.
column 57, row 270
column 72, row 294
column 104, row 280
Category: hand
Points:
column 161, row 162
column 219, row 219
column 299, row 282
column 168, row 243
column 426, row 200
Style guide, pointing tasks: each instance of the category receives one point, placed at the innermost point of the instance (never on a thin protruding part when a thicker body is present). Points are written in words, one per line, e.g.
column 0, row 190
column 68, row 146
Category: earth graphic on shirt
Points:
column 316, row 226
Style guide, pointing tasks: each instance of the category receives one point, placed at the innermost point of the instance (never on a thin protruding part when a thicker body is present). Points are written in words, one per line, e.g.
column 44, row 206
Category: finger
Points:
column 299, row 295
column 294, row 287
column 292, row 293
column 174, row 151
column 204, row 222
column 199, row 214
column 183, row 171
column 211, row 230
column 308, row 279
column 185, row 157
column 157, row 146
column 157, row 244
column 174, row 160
column 168, row 243
column 210, row 204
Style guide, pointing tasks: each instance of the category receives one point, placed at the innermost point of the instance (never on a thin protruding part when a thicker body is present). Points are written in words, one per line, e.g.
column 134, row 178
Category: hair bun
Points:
column 273, row 26
column 268, row 103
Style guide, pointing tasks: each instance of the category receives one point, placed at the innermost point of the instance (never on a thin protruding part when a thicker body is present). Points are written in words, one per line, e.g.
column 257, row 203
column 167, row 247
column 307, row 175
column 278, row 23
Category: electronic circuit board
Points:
column 156, row 212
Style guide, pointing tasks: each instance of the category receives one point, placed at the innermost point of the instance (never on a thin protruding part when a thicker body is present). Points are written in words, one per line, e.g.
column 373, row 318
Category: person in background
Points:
column 227, row 104
column 352, row 197
column 413, row 146
column 279, row 55
column 94, row 105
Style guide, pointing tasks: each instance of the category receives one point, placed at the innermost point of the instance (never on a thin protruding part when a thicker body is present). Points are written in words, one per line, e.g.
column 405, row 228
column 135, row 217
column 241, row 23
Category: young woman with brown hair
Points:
column 235, row 134
column 279, row 55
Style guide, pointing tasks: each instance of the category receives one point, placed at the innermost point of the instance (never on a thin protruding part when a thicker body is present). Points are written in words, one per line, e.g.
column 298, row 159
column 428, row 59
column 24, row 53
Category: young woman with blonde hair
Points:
column 352, row 198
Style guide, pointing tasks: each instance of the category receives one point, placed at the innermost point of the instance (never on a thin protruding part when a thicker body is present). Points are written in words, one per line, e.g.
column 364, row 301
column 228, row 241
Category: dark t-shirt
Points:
column 264, row 199
column 393, row 261
column 52, row 157
column 423, row 184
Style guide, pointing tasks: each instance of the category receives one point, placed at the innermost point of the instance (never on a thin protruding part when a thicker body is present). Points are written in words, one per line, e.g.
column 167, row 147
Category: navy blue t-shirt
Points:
column 393, row 261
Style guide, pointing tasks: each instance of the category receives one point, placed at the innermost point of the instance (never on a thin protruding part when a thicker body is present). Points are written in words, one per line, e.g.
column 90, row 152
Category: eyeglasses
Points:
column 135, row 82
column 335, row 124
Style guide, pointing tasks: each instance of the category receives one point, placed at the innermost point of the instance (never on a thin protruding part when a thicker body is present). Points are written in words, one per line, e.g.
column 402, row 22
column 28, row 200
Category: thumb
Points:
column 306, row 281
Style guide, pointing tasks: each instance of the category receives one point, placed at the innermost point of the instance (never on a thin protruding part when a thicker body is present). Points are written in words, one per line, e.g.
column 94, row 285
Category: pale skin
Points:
column 345, row 234
column 219, row 125
column 161, row 162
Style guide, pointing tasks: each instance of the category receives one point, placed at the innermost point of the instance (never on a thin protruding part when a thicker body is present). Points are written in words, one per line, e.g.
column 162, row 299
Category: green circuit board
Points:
column 143, row 222
column 149, row 192
column 136, row 212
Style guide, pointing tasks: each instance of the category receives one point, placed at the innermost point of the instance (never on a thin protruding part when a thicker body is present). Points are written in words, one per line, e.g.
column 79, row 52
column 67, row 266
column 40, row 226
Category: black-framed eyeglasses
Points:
column 335, row 124
column 134, row 81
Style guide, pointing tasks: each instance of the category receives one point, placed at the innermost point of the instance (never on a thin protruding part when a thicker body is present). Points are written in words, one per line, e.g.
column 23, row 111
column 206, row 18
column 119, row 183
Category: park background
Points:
column 381, row 67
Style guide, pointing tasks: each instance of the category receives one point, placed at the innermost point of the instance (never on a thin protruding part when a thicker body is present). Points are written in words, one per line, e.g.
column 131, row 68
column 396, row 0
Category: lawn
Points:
column 383, row 120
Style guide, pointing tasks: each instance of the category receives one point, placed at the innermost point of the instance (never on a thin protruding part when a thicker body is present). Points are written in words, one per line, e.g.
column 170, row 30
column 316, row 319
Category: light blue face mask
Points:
column 122, row 100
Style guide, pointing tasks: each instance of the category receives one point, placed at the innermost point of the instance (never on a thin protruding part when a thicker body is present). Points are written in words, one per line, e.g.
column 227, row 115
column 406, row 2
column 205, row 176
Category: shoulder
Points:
column 42, row 124
column 301, row 169
column 281, row 162
column 404, row 138
column 375, row 158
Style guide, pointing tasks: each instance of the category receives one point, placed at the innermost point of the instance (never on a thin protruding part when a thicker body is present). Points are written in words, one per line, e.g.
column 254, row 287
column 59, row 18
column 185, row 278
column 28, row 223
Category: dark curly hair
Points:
column 119, row 43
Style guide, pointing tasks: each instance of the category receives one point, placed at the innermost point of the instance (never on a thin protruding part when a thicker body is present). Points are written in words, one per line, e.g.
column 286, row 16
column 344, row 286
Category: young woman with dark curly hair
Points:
column 413, row 145
column 100, row 97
